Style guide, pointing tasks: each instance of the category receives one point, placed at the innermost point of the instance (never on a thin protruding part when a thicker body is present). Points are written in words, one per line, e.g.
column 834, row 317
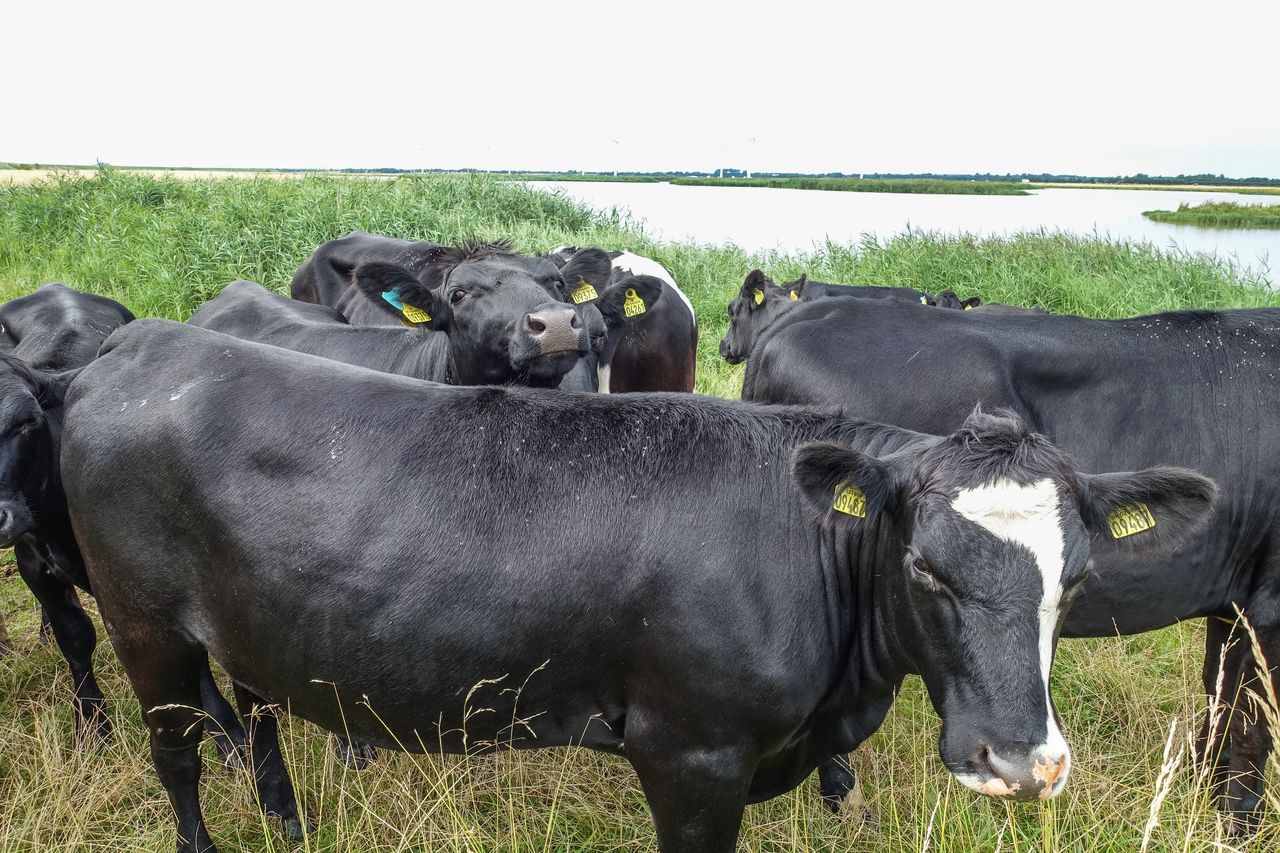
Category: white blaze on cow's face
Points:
column 1029, row 516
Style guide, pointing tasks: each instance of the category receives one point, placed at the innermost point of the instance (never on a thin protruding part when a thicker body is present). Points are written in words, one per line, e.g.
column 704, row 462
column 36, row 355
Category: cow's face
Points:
column 758, row 305
column 949, row 299
column 992, row 530
column 27, row 461
column 503, row 313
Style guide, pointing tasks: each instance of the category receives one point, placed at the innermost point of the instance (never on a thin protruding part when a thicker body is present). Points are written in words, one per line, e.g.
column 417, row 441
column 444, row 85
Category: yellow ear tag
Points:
column 584, row 293
column 758, row 296
column 633, row 304
column 416, row 315
column 968, row 307
column 924, row 300
column 1130, row 519
column 850, row 500
column 794, row 296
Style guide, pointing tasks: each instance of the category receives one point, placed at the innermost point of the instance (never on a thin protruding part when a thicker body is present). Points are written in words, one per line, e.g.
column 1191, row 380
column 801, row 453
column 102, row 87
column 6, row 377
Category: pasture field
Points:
column 163, row 245
column 1222, row 214
column 866, row 185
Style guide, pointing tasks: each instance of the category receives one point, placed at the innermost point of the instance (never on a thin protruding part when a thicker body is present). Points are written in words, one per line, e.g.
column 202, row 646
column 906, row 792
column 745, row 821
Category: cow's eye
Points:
column 922, row 573
column 27, row 427
column 457, row 296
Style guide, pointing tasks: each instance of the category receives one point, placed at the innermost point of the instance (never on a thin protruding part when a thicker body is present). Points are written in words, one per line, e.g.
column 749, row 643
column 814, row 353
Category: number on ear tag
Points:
column 584, row 293
column 794, row 295
column 758, row 296
column 850, row 500
column 416, row 315
column 1130, row 519
column 633, row 304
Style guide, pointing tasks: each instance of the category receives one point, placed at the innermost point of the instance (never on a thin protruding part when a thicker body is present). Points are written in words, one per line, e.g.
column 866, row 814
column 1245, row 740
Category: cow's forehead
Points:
column 1009, row 509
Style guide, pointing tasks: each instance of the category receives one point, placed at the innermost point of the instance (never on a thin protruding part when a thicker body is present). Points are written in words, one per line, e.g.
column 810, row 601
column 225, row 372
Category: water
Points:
column 796, row 220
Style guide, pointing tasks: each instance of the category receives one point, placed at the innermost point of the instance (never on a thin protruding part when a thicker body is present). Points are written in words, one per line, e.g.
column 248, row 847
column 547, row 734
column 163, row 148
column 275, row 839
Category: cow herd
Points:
column 392, row 506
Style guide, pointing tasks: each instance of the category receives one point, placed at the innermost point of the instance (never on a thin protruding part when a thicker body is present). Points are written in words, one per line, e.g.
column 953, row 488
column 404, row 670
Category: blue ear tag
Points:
column 390, row 297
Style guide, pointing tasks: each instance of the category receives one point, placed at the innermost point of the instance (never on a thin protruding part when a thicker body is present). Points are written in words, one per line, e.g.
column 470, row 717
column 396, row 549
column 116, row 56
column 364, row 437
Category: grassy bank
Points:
column 1220, row 214
column 865, row 185
column 164, row 245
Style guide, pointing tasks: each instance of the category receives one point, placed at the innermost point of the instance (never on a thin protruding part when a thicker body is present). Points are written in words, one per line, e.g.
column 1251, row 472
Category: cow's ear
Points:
column 1152, row 511
column 753, row 289
column 843, row 485
column 586, row 275
column 398, row 292
column 971, row 302
column 629, row 298
column 796, row 289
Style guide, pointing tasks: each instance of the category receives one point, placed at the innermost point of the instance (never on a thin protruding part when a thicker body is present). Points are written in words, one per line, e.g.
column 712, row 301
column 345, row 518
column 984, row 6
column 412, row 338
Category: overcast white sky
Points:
column 1081, row 87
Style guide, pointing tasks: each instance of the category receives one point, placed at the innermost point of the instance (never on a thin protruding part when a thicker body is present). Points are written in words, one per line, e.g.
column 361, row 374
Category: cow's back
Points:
column 58, row 327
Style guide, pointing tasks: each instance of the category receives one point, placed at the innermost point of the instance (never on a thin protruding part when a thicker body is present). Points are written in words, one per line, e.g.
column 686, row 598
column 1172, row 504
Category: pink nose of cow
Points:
column 1039, row 773
column 555, row 328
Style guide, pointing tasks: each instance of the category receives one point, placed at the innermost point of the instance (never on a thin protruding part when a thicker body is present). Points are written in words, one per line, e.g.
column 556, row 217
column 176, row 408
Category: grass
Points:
column 866, row 185
column 1220, row 214
column 162, row 245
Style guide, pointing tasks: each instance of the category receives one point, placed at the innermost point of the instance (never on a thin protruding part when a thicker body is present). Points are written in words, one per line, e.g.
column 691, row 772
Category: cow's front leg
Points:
column 1251, row 736
column 696, row 795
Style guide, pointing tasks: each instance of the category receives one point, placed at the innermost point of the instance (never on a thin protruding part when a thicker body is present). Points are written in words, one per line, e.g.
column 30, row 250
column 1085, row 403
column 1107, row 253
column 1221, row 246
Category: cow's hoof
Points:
column 95, row 732
column 1243, row 817
column 295, row 829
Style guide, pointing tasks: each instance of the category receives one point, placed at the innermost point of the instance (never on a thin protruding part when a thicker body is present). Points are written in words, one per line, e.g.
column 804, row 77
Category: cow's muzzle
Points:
column 1017, row 771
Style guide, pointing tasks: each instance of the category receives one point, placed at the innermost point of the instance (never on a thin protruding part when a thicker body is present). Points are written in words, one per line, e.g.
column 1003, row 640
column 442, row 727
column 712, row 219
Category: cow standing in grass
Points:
column 1194, row 388
column 410, row 542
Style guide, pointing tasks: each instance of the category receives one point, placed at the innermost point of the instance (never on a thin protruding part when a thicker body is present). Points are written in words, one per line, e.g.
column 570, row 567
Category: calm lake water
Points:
column 795, row 220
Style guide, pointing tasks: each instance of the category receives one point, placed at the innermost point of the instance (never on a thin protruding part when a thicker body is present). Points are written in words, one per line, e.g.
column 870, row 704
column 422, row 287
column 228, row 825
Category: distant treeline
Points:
column 866, row 185
column 1203, row 179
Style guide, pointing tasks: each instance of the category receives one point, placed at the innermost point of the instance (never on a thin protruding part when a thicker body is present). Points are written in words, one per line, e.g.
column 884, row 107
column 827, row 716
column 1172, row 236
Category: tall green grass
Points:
column 1220, row 214
column 866, row 185
column 164, row 245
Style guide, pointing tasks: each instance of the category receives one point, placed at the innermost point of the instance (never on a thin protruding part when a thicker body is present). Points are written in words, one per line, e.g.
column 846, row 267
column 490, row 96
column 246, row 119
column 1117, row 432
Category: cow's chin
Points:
column 546, row 370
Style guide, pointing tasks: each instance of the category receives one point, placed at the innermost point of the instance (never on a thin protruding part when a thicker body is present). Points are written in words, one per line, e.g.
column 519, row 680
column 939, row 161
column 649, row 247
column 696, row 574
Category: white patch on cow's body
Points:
column 1030, row 516
column 640, row 265
column 602, row 377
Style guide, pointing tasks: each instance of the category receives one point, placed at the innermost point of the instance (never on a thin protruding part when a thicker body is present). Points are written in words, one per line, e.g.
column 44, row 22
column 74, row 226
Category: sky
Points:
column 1098, row 88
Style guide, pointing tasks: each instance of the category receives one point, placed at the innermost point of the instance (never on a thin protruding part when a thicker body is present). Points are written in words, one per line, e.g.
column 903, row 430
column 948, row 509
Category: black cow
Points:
column 760, row 303
column 659, row 350
column 371, row 578
column 48, row 333
column 54, row 329
column 1195, row 388
column 949, row 299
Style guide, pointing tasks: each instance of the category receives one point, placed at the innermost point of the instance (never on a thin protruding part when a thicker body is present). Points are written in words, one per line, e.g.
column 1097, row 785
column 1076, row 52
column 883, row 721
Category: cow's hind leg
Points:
column 1250, row 734
column 275, row 790
column 76, row 639
column 838, row 785
column 221, row 722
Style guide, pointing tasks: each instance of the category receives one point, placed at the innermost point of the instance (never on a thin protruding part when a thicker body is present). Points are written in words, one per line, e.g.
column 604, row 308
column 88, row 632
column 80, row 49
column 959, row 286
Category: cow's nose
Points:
column 724, row 349
column 555, row 328
column 1027, row 773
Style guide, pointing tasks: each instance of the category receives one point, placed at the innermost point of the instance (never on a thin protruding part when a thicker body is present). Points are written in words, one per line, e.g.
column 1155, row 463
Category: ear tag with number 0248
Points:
column 633, row 304
column 794, row 296
column 1130, row 519
column 758, row 296
column 850, row 500
column 412, row 314
column 584, row 293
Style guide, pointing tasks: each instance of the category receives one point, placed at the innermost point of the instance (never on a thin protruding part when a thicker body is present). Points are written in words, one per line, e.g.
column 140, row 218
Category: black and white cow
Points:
column 724, row 648
column 46, row 335
column 658, row 352
column 1193, row 388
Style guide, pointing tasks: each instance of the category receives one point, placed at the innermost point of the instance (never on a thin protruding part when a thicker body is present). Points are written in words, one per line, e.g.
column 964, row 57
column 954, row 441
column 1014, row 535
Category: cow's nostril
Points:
column 537, row 326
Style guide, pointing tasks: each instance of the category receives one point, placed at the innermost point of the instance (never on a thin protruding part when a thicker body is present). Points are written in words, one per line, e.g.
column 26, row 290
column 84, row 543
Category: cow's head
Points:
column 28, row 450
column 503, row 312
column 757, row 306
column 626, row 297
column 949, row 299
column 991, row 530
